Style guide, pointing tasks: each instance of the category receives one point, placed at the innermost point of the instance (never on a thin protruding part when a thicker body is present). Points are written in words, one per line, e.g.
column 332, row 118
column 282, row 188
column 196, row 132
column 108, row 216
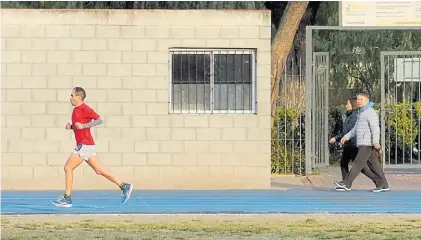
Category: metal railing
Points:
column 212, row 81
column 288, row 131
column 401, row 108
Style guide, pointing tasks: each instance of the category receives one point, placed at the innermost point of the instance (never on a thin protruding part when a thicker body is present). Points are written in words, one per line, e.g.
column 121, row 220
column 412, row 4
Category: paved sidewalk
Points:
column 399, row 179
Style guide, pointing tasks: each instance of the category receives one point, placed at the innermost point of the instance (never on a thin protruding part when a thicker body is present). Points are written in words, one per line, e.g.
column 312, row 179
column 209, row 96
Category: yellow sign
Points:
column 381, row 13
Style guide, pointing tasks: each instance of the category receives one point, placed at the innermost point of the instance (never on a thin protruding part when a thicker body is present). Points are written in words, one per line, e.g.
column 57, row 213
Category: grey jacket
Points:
column 367, row 127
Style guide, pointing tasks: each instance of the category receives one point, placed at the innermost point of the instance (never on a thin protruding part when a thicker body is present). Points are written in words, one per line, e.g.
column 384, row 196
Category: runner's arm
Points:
column 97, row 120
column 93, row 123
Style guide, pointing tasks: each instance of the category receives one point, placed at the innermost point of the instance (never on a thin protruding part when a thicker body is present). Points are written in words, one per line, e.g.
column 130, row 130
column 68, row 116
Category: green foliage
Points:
column 335, row 127
column 288, row 142
column 288, row 147
column 417, row 109
column 327, row 14
column 355, row 55
column 286, row 160
column 402, row 122
column 402, row 131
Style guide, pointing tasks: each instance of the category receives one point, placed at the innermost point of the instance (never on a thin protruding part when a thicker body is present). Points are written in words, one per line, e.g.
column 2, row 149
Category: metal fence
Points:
column 320, row 109
column 401, row 108
column 288, row 132
column 398, row 83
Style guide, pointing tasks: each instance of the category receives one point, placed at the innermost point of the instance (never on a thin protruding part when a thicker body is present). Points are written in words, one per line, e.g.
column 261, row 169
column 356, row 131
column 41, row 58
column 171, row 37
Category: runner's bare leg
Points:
column 101, row 170
column 73, row 161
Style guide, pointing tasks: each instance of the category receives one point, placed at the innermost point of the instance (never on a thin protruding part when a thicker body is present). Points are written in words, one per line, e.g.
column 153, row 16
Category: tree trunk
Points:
column 281, row 46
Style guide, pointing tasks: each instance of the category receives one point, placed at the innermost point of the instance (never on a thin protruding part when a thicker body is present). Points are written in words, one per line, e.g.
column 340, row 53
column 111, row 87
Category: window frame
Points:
column 212, row 52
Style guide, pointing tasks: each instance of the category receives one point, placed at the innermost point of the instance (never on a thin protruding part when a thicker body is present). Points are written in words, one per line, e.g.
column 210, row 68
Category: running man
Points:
column 83, row 118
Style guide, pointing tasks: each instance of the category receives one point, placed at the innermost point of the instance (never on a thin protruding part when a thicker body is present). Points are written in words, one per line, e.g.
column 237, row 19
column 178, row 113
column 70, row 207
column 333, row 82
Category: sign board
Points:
column 407, row 69
column 381, row 13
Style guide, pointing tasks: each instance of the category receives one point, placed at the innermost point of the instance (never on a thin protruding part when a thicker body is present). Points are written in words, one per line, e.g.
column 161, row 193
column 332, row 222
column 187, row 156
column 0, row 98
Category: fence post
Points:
column 382, row 109
column 308, row 89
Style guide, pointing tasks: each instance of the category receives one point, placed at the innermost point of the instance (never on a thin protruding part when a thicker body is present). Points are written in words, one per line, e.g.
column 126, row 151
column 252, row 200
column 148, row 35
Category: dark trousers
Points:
column 350, row 154
column 367, row 157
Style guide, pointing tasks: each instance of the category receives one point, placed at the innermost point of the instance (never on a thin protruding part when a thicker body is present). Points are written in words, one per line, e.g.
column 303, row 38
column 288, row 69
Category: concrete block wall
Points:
column 121, row 59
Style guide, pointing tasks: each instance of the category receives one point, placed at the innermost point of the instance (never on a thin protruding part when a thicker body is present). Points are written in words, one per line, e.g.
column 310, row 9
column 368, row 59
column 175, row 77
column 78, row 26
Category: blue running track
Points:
column 227, row 201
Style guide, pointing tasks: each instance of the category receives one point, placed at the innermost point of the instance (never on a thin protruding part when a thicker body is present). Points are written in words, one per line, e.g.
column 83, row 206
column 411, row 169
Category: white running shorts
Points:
column 85, row 151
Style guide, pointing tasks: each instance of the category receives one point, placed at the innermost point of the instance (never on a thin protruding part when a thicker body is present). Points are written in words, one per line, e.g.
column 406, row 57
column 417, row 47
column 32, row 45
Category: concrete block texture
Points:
column 122, row 59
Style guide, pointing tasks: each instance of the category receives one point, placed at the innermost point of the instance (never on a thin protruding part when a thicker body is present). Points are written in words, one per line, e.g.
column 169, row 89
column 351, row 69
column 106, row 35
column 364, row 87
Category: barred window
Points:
column 212, row 81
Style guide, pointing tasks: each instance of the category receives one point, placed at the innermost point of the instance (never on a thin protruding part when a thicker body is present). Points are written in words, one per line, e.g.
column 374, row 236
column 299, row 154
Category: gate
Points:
column 401, row 108
column 320, row 110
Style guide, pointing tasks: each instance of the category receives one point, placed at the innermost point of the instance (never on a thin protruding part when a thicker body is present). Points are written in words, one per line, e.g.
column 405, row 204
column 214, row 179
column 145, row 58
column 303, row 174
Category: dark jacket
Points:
column 349, row 123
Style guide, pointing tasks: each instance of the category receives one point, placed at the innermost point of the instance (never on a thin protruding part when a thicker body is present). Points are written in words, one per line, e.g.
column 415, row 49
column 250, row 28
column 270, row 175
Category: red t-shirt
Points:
column 83, row 114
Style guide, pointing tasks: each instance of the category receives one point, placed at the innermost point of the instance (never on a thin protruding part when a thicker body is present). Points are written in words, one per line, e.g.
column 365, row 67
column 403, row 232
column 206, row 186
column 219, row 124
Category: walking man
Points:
column 350, row 149
column 83, row 118
column 367, row 132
